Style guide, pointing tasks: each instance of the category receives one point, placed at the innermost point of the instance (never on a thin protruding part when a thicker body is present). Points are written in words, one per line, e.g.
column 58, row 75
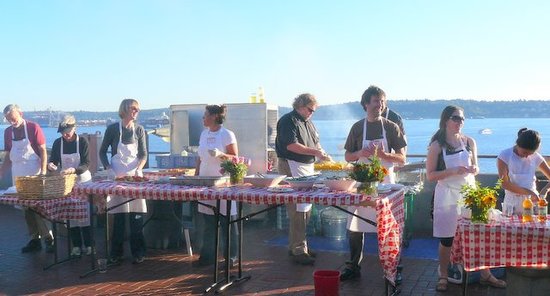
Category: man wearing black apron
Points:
column 25, row 144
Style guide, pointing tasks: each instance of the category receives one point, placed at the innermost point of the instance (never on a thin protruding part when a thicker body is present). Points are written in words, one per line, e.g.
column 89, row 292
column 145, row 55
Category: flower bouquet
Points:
column 480, row 200
column 369, row 174
column 236, row 167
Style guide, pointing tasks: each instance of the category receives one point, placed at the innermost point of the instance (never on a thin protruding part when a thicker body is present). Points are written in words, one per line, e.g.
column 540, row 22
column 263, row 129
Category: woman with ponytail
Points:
column 517, row 166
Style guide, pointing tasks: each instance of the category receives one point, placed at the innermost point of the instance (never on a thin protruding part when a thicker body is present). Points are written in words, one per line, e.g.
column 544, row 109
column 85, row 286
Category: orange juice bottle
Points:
column 527, row 209
column 543, row 210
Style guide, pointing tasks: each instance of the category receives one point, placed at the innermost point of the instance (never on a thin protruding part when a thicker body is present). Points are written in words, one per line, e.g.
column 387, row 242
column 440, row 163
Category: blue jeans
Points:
column 137, row 240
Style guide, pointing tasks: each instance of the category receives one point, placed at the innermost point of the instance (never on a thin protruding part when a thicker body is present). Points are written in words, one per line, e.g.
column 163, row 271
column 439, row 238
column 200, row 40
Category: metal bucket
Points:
column 333, row 224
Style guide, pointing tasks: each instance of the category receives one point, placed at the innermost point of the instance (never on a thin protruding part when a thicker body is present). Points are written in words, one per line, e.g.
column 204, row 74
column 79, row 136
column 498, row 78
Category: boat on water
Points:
column 485, row 131
column 156, row 122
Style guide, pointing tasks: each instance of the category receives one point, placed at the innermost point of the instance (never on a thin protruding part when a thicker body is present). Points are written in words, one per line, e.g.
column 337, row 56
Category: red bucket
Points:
column 327, row 282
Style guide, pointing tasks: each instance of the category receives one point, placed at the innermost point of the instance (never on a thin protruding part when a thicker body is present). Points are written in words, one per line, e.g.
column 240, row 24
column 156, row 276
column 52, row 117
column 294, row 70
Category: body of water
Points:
column 334, row 133
column 419, row 132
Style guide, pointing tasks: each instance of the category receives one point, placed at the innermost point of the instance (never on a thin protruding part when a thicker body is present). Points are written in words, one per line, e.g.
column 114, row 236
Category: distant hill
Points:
column 415, row 109
column 411, row 109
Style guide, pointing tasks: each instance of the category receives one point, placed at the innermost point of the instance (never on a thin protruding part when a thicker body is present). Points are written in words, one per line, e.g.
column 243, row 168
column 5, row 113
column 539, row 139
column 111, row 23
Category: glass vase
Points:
column 368, row 188
column 480, row 215
column 235, row 179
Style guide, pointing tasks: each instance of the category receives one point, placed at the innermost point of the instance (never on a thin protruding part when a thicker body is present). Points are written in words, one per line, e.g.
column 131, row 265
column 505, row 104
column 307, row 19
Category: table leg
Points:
column 55, row 251
column 465, row 283
column 217, row 245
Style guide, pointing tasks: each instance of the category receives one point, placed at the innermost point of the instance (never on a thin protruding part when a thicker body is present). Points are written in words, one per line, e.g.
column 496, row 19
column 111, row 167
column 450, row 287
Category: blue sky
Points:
column 89, row 55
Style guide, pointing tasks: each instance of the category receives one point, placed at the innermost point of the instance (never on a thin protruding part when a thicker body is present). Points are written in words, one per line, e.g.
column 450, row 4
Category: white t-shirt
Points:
column 210, row 165
column 522, row 163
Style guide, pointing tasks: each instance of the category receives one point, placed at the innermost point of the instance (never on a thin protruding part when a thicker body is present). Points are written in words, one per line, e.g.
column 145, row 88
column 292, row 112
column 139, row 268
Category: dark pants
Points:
column 137, row 240
column 76, row 239
column 356, row 242
column 208, row 250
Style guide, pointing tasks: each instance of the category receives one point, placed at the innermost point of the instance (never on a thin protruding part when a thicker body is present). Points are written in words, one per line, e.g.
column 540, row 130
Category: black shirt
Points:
column 111, row 137
column 70, row 148
column 394, row 117
column 292, row 128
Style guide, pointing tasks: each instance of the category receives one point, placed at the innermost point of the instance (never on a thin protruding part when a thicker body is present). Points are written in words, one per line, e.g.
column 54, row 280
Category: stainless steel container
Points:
column 333, row 223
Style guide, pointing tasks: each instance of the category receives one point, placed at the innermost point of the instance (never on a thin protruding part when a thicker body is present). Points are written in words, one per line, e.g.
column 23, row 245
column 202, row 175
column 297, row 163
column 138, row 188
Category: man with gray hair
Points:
column 298, row 147
column 25, row 147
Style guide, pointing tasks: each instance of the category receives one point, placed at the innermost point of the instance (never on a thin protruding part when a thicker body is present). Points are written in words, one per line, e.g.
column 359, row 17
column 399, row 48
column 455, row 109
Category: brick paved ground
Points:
column 170, row 272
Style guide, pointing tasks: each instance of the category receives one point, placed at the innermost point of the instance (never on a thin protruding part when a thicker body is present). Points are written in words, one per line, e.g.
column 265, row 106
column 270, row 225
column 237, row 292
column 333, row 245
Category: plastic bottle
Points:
column 261, row 98
column 543, row 209
column 527, row 209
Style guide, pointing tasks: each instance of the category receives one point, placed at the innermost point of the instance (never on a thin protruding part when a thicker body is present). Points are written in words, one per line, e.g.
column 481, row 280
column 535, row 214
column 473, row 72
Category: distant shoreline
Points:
column 408, row 109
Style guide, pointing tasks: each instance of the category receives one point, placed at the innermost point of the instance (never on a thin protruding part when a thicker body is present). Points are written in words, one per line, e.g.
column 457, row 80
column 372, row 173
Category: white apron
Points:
column 354, row 223
column 298, row 169
column 210, row 166
column 72, row 161
column 447, row 194
column 124, row 163
column 24, row 161
column 521, row 176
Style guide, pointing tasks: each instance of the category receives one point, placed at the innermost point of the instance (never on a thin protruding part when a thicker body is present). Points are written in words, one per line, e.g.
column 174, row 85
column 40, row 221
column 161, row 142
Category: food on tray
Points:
column 174, row 171
column 131, row 179
column 279, row 189
column 303, row 178
column 331, row 166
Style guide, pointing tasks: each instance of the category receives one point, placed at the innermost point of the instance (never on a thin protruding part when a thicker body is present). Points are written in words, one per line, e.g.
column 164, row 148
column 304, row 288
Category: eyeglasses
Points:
column 136, row 109
column 457, row 118
column 310, row 109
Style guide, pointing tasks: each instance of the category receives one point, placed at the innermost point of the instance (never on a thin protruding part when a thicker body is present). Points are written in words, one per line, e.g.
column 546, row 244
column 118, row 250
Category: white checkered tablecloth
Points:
column 389, row 207
column 56, row 209
column 506, row 243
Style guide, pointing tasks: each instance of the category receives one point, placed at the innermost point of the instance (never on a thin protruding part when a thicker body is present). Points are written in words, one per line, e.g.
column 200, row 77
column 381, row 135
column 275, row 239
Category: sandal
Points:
column 442, row 284
column 493, row 282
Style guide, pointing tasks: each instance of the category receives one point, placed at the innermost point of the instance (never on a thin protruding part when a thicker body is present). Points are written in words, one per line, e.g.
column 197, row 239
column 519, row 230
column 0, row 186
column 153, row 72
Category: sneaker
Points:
column 303, row 259
column 88, row 251
column 34, row 245
column 75, row 252
column 454, row 273
column 50, row 245
column 349, row 274
column 138, row 260
column 310, row 252
column 115, row 259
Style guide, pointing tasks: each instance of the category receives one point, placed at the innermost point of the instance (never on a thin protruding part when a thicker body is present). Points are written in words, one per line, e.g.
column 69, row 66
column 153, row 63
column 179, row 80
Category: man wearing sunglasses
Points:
column 298, row 147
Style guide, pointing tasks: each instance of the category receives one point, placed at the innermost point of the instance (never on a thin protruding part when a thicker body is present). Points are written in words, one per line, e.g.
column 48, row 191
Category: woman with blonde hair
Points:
column 127, row 141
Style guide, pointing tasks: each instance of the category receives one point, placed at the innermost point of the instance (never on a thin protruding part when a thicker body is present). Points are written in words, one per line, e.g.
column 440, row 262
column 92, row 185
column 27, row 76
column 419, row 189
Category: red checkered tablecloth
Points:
column 389, row 207
column 390, row 219
column 506, row 243
column 248, row 194
column 56, row 209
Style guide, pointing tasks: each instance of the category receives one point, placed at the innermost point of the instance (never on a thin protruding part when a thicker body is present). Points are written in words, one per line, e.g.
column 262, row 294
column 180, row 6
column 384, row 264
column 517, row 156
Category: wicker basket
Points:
column 45, row 187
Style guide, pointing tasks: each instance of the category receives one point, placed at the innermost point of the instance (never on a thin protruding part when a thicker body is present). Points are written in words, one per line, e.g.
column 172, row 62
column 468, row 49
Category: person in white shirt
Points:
column 215, row 143
column 517, row 167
